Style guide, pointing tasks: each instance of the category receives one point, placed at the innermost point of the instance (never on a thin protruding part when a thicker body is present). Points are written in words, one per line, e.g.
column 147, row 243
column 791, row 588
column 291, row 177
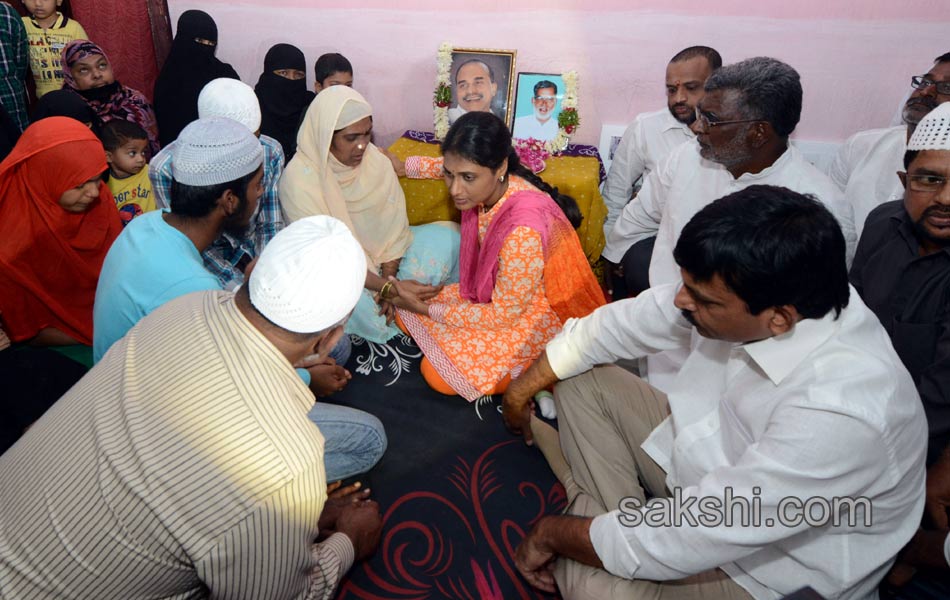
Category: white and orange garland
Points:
column 567, row 120
column 443, row 90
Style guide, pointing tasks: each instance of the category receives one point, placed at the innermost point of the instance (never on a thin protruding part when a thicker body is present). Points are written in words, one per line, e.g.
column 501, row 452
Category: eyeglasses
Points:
column 920, row 82
column 548, row 99
column 704, row 120
column 925, row 183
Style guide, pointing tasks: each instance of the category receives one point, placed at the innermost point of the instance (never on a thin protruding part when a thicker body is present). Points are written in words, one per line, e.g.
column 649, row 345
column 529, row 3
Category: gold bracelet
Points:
column 383, row 291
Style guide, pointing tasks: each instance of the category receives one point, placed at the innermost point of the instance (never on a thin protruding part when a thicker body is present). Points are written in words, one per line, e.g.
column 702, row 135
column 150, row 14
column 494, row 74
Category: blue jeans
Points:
column 354, row 440
column 341, row 352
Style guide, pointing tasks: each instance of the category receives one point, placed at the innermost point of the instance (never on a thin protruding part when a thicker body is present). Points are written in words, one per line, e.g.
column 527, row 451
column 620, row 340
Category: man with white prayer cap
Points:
column 902, row 269
column 184, row 465
column 216, row 188
column 228, row 256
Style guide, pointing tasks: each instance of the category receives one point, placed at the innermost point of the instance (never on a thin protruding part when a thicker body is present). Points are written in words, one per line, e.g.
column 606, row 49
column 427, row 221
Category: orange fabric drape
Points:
column 50, row 258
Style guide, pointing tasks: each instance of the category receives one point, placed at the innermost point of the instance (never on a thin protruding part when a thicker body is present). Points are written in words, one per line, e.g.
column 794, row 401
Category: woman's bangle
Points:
column 384, row 291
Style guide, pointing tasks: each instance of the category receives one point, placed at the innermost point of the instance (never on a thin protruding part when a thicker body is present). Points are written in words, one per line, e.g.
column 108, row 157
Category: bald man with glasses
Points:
column 865, row 168
column 742, row 127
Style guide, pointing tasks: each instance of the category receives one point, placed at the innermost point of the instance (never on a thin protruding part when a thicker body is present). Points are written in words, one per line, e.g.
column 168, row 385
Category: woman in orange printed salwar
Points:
column 522, row 270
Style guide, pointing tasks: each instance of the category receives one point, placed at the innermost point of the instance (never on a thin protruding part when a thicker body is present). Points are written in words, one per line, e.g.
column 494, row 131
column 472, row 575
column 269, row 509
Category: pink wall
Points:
column 855, row 57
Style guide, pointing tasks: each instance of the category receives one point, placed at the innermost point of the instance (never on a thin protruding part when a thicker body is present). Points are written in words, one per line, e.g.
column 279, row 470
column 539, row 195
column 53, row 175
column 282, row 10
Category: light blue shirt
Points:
column 149, row 264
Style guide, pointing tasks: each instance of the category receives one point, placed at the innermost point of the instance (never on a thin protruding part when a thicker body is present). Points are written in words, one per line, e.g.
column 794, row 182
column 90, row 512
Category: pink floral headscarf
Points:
column 112, row 101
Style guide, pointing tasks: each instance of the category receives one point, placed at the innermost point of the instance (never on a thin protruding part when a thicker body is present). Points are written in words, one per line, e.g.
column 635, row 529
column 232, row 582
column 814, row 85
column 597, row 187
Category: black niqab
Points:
column 189, row 67
column 283, row 101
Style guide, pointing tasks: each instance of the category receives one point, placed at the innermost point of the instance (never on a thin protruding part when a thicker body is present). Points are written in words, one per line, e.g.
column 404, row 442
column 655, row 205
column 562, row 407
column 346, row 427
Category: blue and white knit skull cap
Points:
column 215, row 150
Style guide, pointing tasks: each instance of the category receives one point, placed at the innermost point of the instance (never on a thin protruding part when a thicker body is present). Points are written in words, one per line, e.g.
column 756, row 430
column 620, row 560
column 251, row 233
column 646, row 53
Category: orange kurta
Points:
column 474, row 346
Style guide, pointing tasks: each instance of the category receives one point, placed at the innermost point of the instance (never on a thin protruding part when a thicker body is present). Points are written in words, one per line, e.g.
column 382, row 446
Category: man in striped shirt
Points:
column 184, row 465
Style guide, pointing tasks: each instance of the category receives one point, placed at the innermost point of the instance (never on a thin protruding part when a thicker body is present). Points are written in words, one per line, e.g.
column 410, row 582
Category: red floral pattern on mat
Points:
column 433, row 558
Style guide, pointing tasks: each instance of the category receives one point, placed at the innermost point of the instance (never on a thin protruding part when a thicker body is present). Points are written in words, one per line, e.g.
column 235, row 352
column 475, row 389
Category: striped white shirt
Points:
column 182, row 466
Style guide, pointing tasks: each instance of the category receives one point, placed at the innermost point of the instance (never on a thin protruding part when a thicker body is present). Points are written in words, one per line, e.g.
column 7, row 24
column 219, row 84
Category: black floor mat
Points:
column 457, row 491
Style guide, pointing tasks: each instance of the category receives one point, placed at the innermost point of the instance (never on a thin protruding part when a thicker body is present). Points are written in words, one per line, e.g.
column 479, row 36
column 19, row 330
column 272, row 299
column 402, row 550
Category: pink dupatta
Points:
column 571, row 288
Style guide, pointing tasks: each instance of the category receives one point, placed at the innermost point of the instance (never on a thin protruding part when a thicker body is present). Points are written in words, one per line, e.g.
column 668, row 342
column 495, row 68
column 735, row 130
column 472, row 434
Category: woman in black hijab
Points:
column 189, row 66
column 283, row 94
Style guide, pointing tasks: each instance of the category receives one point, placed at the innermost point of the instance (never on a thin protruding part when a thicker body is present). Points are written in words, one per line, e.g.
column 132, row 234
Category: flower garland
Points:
column 532, row 153
column 568, row 120
column 442, row 96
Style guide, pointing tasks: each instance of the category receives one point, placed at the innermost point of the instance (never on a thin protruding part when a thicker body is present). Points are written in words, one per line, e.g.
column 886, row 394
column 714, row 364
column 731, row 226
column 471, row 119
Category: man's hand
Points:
column 534, row 559
column 362, row 523
column 339, row 498
column 553, row 536
column 938, row 491
column 326, row 377
column 923, row 551
column 518, row 402
column 517, row 406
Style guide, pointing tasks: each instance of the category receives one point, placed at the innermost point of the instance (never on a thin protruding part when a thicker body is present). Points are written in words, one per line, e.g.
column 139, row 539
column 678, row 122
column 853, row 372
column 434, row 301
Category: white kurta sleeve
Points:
column 640, row 218
column 810, row 449
column 626, row 167
column 631, row 328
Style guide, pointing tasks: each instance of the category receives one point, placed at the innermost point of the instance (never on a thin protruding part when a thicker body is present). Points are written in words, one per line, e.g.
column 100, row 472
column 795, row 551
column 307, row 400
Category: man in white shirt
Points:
column 866, row 166
column 541, row 124
column 475, row 89
column 652, row 135
column 184, row 465
column 792, row 405
column 742, row 127
column 646, row 141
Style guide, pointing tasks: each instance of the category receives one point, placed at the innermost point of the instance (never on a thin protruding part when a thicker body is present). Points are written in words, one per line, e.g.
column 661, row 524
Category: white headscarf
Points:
column 367, row 198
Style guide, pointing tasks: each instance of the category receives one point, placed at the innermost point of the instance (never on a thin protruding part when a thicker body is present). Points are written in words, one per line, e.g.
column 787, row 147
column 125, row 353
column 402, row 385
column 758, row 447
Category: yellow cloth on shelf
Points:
column 427, row 200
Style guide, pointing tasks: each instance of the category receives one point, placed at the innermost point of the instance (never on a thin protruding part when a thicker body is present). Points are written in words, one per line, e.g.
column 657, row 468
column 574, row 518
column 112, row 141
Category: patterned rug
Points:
column 457, row 491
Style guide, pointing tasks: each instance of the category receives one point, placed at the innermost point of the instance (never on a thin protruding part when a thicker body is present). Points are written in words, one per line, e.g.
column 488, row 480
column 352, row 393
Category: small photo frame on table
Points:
column 473, row 79
column 610, row 136
column 538, row 102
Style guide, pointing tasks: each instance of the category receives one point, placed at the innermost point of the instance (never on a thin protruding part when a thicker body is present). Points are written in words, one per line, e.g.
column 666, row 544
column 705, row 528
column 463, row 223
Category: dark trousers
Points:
column 636, row 270
column 33, row 380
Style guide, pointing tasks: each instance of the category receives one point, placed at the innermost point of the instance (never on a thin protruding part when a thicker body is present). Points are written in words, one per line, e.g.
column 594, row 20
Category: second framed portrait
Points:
column 482, row 81
column 537, row 106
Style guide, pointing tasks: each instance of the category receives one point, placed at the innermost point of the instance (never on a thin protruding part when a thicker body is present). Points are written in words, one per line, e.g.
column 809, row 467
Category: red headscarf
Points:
column 50, row 258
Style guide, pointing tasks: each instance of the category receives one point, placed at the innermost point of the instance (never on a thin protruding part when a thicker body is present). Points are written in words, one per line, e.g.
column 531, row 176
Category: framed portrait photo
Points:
column 538, row 103
column 610, row 136
column 481, row 80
